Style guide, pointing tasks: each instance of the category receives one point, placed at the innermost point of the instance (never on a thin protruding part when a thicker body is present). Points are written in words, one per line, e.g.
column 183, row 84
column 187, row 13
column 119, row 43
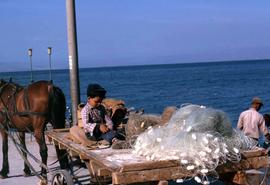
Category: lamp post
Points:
column 30, row 51
column 50, row 53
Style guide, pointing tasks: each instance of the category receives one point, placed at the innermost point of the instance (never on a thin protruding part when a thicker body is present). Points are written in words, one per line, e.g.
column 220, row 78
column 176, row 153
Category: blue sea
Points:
column 228, row 86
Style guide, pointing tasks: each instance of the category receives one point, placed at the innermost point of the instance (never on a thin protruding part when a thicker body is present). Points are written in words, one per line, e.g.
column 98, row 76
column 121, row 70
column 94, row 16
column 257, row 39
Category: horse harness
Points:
column 8, row 112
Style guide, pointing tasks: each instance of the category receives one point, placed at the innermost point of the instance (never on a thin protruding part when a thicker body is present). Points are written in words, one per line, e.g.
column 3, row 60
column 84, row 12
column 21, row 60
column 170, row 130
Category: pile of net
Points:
column 200, row 138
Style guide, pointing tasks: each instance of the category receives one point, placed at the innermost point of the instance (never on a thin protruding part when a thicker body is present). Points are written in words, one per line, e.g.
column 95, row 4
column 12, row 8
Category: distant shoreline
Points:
column 151, row 65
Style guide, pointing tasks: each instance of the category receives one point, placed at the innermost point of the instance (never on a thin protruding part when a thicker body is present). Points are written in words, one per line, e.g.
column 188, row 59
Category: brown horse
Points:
column 30, row 109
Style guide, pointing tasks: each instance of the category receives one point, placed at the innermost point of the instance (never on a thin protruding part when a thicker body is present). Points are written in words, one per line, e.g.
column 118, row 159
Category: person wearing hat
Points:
column 251, row 122
column 97, row 124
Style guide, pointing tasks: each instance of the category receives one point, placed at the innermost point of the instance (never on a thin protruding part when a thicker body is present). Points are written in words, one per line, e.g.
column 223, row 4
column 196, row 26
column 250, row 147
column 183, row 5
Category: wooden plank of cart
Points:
column 124, row 167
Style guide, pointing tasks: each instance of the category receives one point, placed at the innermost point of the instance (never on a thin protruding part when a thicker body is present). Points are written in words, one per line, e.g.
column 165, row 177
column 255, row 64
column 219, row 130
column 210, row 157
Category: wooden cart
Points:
column 124, row 167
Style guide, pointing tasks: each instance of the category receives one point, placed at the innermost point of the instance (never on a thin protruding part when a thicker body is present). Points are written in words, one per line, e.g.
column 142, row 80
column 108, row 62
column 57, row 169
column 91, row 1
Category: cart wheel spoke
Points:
column 56, row 180
column 62, row 177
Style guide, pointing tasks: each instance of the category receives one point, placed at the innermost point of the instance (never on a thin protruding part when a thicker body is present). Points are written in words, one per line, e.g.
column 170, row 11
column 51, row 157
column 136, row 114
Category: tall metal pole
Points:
column 73, row 58
column 30, row 52
column 50, row 61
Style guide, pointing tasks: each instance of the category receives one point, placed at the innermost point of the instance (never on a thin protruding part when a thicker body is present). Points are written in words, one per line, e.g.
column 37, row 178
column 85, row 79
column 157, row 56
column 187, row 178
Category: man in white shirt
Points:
column 251, row 122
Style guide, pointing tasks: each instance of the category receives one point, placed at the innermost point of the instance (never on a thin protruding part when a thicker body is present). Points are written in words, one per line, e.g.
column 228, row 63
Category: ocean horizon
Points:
column 146, row 64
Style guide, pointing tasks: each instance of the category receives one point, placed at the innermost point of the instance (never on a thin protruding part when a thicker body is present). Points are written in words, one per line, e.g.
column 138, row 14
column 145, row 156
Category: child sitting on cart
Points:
column 96, row 122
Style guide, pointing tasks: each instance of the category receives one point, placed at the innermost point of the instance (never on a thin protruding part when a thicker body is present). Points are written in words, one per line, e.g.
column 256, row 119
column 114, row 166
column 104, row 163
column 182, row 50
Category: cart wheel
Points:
column 62, row 177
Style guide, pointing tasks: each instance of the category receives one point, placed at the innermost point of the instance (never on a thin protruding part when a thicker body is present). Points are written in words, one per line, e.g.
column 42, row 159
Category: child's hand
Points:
column 103, row 128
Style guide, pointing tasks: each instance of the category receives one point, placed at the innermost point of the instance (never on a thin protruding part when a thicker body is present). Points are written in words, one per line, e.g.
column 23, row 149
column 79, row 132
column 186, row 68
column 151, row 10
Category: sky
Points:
column 133, row 32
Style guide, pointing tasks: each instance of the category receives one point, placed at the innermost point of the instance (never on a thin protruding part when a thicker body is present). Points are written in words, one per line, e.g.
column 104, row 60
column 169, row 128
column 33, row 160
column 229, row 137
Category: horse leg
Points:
column 43, row 150
column 26, row 169
column 5, row 165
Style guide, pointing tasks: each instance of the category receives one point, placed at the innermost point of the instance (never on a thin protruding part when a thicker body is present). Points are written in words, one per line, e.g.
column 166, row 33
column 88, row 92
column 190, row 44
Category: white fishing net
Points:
column 200, row 138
